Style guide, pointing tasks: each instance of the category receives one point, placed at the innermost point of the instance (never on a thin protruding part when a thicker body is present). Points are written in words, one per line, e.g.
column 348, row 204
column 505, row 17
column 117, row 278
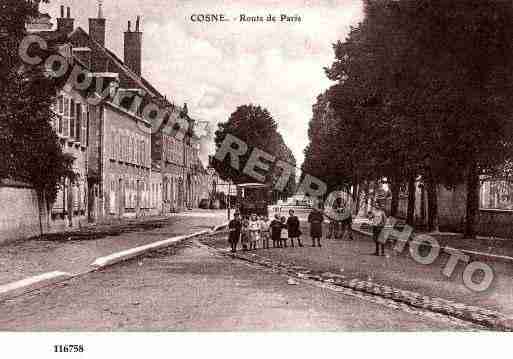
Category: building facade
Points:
column 125, row 165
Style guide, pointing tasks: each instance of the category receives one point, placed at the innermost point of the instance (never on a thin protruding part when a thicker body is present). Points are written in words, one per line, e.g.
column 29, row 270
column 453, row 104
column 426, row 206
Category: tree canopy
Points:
column 30, row 148
column 257, row 128
column 421, row 90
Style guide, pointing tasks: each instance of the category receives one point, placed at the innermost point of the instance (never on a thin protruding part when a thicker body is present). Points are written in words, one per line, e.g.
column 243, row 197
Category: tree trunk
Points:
column 472, row 201
column 394, row 206
column 40, row 206
column 355, row 198
column 432, row 207
column 410, row 218
column 49, row 207
column 367, row 199
column 423, row 205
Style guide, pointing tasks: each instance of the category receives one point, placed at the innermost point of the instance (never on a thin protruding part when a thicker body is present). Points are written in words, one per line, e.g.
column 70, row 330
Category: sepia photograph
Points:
column 283, row 169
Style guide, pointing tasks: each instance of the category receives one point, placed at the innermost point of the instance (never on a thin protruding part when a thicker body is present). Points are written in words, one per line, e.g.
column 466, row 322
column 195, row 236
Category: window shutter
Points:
column 78, row 122
column 117, row 141
column 112, row 140
column 127, row 143
column 66, row 118
column 83, row 135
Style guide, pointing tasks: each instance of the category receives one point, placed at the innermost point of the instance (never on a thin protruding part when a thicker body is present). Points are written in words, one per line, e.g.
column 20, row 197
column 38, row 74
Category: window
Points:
column 85, row 125
column 72, row 125
column 120, row 146
column 112, row 144
column 129, row 149
column 138, row 152
column 65, row 127
column 59, row 110
column 165, row 150
column 60, row 104
column 132, row 150
column 143, row 152
column 126, row 141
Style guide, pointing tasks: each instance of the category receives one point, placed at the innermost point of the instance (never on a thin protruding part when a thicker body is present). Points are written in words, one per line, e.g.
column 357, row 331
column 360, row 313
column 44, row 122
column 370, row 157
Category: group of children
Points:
column 255, row 231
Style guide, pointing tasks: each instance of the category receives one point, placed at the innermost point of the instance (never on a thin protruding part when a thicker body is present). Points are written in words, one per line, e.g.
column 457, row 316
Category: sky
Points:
column 215, row 67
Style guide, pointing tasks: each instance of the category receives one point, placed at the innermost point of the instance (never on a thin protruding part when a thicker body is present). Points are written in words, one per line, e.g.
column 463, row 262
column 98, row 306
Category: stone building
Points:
column 176, row 151
column 121, row 172
column 113, row 149
column 121, row 181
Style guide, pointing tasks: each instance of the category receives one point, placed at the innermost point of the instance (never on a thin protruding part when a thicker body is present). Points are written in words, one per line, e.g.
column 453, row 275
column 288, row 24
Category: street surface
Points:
column 355, row 259
column 188, row 287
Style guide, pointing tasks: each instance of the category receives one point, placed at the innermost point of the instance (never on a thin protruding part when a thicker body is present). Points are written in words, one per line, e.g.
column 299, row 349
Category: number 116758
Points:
column 68, row 348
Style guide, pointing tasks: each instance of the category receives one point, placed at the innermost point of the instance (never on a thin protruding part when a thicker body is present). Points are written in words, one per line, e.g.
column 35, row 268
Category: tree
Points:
column 256, row 127
column 30, row 148
column 428, row 82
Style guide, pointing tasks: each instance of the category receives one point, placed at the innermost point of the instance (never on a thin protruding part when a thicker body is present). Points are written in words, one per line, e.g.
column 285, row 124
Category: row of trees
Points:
column 256, row 127
column 423, row 92
column 30, row 151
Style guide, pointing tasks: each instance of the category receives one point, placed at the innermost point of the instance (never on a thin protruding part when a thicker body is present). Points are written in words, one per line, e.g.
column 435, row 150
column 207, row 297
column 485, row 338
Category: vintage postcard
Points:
column 261, row 166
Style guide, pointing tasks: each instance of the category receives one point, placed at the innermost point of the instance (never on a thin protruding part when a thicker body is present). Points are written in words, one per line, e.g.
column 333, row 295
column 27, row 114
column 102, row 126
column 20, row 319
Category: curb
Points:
column 131, row 253
column 30, row 284
column 220, row 227
column 472, row 254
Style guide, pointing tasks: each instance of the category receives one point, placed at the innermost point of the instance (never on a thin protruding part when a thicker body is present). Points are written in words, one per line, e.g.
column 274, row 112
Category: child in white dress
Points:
column 265, row 231
column 254, row 232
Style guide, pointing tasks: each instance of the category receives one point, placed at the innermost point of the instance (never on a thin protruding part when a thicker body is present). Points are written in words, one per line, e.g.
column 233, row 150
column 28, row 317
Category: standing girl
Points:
column 244, row 237
column 254, row 232
column 265, row 231
column 276, row 231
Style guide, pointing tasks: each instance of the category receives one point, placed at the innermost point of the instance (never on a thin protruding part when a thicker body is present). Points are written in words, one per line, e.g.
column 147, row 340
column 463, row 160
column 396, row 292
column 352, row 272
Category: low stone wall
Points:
column 19, row 214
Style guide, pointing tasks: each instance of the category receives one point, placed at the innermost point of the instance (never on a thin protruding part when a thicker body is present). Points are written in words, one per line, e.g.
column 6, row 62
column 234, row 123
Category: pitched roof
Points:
column 129, row 78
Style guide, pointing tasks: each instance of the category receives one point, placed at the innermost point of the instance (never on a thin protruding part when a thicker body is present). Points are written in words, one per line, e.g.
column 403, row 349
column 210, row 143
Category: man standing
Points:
column 293, row 229
column 315, row 218
column 346, row 216
column 378, row 220
column 235, row 227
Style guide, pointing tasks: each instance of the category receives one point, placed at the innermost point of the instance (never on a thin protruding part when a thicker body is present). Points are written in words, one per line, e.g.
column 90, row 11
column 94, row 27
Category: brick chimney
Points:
column 65, row 24
column 97, row 26
column 133, row 47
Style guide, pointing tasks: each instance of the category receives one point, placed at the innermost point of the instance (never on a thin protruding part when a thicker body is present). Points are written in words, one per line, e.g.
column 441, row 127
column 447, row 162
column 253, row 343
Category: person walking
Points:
column 276, row 227
column 316, row 218
column 378, row 221
column 235, row 228
column 293, row 229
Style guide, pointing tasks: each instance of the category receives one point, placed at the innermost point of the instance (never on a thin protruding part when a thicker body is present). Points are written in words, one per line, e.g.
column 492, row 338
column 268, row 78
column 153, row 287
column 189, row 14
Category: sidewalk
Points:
column 482, row 248
column 74, row 252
